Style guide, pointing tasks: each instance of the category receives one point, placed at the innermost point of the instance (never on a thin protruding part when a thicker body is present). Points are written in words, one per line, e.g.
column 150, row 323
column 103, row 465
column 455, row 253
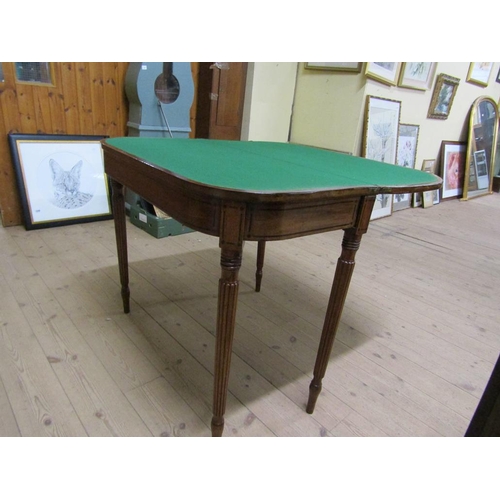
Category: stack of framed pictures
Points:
column 386, row 139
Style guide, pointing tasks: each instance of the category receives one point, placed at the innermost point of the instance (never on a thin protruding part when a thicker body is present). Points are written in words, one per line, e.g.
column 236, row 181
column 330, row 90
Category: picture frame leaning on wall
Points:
column 452, row 168
column 380, row 141
column 430, row 198
column 61, row 179
column 341, row 67
column 406, row 156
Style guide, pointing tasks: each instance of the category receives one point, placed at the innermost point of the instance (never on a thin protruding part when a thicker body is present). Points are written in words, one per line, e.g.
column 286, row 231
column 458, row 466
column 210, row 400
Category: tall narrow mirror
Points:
column 481, row 148
column 496, row 168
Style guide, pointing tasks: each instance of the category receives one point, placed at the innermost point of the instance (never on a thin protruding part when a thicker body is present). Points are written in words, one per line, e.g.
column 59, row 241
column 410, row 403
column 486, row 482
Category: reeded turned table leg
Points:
column 118, row 200
column 261, row 250
column 343, row 273
column 226, row 319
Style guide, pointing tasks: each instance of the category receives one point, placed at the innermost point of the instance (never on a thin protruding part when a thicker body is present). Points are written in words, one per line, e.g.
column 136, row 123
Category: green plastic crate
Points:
column 156, row 226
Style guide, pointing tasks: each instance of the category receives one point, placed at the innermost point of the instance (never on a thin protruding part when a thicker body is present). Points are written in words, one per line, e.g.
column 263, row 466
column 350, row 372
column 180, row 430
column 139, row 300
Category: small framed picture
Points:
column 479, row 73
column 385, row 72
column 428, row 166
column 417, row 75
column 407, row 145
column 435, row 196
column 382, row 206
column 61, row 179
column 427, row 199
column 344, row 67
column 430, row 198
column 407, row 153
column 442, row 97
column 417, row 197
column 452, row 168
column 380, row 139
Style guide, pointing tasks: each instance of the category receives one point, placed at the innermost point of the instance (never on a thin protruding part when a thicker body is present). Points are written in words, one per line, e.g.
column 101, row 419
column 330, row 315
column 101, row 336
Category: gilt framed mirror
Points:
column 496, row 167
column 481, row 148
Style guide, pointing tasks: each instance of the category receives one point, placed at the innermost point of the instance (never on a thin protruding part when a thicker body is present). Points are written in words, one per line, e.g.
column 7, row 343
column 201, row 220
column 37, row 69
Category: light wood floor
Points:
column 415, row 349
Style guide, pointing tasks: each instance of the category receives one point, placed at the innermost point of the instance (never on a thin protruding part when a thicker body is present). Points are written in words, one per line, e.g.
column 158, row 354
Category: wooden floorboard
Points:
column 415, row 348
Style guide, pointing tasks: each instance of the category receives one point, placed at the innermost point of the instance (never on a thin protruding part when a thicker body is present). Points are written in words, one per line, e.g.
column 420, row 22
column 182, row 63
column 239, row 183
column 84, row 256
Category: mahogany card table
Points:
column 255, row 191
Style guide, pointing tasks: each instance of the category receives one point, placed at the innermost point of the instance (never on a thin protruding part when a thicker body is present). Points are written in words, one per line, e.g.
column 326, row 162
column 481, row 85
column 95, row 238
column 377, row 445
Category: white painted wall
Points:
column 268, row 101
column 284, row 101
column 329, row 108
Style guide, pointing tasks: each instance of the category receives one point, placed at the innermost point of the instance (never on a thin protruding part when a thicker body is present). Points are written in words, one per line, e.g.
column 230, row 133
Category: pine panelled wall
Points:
column 84, row 99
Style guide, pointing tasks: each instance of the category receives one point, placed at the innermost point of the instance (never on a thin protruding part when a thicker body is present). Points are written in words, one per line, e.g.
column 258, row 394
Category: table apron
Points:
column 289, row 220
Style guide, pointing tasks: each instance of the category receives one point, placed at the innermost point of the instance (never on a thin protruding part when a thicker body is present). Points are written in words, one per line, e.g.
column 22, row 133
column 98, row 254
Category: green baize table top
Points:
column 267, row 166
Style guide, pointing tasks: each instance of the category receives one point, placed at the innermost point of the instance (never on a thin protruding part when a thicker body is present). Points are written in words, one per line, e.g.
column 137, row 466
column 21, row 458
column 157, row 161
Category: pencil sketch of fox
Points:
column 66, row 184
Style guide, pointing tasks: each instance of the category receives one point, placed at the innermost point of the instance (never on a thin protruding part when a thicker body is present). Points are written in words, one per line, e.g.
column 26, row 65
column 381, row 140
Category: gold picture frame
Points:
column 341, row 67
column 427, row 199
column 481, row 148
column 442, row 97
column 479, row 73
column 430, row 198
column 385, row 72
column 417, row 75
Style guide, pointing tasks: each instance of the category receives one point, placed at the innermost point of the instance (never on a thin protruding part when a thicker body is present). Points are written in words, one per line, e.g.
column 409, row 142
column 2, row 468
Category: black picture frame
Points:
column 61, row 179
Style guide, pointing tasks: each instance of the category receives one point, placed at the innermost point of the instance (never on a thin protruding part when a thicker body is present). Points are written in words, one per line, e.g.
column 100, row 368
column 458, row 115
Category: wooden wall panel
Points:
column 25, row 108
column 112, row 108
column 86, row 99
column 56, row 102
column 11, row 120
column 84, row 96
column 42, row 109
column 71, row 111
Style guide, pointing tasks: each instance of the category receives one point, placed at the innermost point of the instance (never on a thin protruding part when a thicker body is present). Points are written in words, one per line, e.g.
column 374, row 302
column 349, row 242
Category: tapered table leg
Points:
column 343, row 273
column 261, row 250
column 226, row 319
column 118, row 200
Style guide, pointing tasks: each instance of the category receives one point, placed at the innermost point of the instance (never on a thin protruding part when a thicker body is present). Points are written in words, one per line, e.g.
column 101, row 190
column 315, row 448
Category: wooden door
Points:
column 228, row 92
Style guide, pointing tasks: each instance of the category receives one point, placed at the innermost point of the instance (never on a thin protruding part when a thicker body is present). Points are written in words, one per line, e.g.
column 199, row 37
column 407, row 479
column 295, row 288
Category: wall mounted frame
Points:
column 442, row 97
column 343, row 67
column 479, row 73
column 385, row 72
column 417, row 75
